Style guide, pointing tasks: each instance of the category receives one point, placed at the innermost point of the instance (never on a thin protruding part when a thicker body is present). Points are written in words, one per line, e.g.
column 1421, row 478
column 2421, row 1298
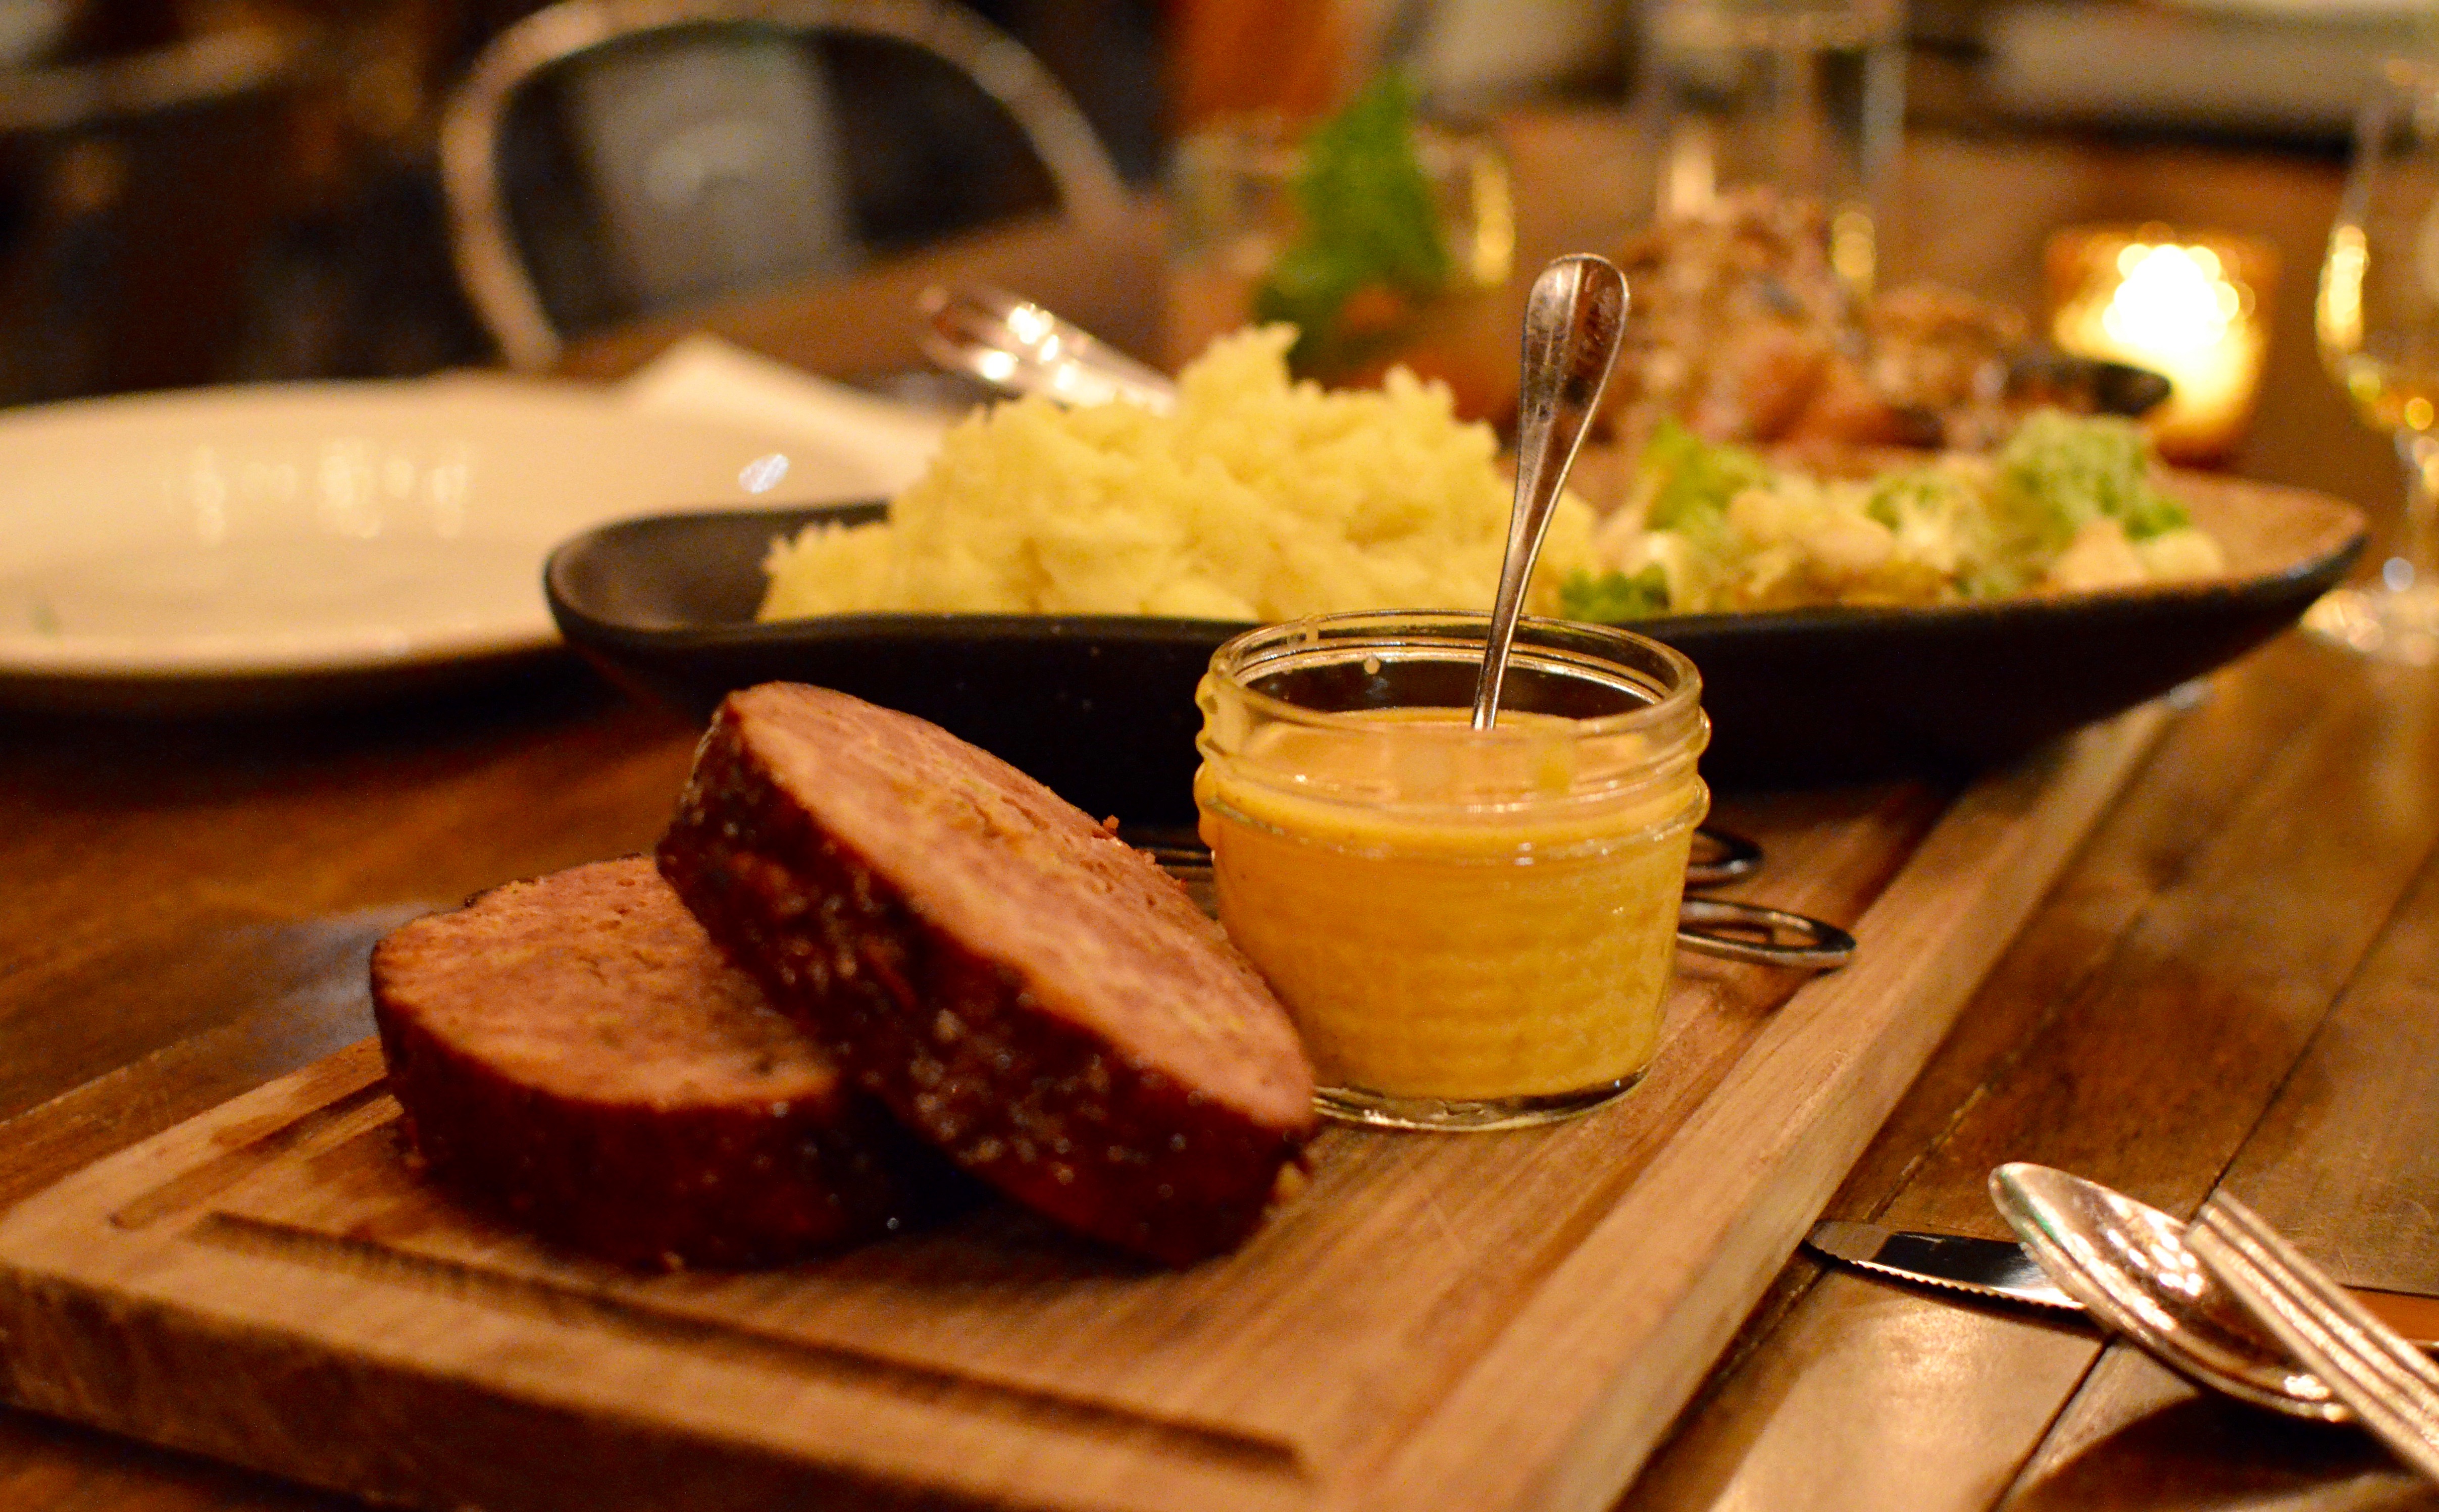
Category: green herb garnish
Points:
column 1369, row 229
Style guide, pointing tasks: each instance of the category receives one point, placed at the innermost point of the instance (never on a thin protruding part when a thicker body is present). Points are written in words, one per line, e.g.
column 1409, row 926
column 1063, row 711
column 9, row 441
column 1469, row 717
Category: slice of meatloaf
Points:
column 575, row 1053
column 1024, row 990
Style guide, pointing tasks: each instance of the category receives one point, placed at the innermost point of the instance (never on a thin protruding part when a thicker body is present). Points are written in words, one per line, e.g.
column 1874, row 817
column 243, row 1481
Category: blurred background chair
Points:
column 610, row 159
column 109, row 279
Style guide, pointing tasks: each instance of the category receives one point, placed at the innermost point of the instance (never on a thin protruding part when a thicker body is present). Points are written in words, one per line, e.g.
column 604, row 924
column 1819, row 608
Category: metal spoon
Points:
column 1574, row 320
column 1016, row 346
column 2130, row 1267
column 1571, row 336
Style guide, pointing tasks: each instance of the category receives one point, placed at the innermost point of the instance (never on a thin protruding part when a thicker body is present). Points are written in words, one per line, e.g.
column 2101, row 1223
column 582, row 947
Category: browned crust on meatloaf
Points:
column 574, row 1054
column 1024, row 990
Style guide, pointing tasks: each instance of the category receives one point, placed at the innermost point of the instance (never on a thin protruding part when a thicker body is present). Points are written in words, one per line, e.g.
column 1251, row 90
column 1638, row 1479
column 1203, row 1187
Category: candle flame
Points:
column 2341, row 280
column 2181, row 310
column 2171, row 300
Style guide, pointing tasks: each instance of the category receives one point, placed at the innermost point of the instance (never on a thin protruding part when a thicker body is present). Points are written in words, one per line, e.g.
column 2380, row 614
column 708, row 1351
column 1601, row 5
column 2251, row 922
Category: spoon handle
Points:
column 1573, row 323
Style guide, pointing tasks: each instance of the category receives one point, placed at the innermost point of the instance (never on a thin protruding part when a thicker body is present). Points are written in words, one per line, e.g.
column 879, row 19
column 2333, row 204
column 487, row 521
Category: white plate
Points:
column 258, row 544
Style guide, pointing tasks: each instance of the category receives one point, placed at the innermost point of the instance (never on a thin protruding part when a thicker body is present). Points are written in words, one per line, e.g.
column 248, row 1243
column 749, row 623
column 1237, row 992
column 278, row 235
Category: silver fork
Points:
column 2392, row 1387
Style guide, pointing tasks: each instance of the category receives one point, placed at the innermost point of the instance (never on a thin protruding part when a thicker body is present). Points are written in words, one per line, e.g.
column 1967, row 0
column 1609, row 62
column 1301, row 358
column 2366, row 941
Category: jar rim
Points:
column 1665, row 677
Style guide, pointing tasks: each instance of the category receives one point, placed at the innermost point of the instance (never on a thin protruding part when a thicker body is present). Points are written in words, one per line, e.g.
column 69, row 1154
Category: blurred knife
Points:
column 2000, row 1269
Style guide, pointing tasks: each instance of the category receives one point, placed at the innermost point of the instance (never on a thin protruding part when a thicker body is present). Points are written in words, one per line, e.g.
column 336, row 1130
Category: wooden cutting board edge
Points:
column 117, row 1335
column 1746, row 1201
column 1731, row 1200
column 121, row 1335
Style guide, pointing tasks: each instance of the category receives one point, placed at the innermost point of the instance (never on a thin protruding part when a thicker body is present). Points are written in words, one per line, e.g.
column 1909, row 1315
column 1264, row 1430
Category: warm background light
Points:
column 2189, row 306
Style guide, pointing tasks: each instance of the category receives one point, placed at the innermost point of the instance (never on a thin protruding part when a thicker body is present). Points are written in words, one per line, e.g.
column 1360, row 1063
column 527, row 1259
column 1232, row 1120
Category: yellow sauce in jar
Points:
column 1450, row 916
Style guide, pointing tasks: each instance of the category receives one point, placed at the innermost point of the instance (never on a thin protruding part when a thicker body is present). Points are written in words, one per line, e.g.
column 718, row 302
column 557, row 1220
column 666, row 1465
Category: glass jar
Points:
column 1472, row 929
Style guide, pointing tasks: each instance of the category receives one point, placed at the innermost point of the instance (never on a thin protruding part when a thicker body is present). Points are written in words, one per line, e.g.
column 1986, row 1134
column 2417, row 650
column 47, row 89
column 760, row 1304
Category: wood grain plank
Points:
column 2208, row 759
column 2205, row 767
column 175, row 868
column 2213, row 991
column 2345, row 1160
column 2341, row 1161
column 1721, row 1211
column 2138, row 1436
column 51, row 1465
column 323, row 1008
column 686, row 1426
column 2200, row 951
column 1001, row 1298
column 993, row 1347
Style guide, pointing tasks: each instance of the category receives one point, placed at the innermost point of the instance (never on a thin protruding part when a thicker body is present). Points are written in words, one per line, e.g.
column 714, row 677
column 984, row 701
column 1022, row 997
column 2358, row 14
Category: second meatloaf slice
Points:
column 1023, row 990
column 574, row 1054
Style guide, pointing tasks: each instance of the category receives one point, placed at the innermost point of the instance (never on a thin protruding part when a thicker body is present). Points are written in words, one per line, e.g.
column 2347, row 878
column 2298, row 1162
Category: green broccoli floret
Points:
column 2059, row 472
column 1690, row 480
column 1612, row 596
column 1901, row 498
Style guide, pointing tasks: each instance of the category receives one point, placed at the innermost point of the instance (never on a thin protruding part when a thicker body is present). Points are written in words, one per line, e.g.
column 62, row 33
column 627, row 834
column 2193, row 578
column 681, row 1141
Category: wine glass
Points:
column 2378, row 323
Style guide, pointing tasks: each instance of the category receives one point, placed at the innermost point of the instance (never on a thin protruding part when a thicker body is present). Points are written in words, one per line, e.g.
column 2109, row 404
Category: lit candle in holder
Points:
column 2190, row 308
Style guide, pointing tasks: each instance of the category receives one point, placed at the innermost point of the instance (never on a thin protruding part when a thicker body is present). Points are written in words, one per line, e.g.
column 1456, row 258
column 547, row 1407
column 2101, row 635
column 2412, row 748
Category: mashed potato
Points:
column 1259, row 499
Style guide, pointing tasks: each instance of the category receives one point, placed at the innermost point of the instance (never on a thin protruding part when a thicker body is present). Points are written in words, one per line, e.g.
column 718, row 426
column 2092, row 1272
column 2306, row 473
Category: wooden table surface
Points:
column 2234, row 984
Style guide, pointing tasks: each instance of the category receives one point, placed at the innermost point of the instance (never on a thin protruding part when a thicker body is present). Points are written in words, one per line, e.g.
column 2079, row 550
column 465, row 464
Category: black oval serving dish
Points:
column 1102, row 709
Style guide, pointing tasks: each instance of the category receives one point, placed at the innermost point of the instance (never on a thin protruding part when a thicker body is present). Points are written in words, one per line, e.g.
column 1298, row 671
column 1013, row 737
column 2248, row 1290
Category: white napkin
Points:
column 851, row 445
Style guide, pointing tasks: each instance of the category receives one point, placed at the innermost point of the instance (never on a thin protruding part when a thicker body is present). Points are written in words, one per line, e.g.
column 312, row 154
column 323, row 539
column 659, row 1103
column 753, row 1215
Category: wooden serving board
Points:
column 1477, row 1322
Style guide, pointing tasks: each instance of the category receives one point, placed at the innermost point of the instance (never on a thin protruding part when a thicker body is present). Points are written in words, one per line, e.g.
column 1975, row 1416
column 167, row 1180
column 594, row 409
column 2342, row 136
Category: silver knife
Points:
column 2000, row 1269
